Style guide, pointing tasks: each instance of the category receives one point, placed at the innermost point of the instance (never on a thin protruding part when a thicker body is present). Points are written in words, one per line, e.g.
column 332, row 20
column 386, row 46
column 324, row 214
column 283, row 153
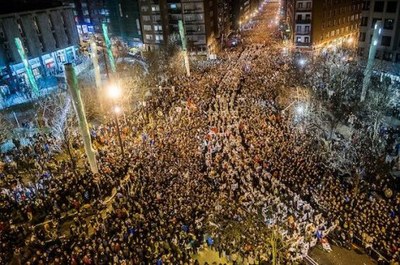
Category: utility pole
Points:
column 371, row 59
column 28, row 69
column 72, row 82
column 184, row 46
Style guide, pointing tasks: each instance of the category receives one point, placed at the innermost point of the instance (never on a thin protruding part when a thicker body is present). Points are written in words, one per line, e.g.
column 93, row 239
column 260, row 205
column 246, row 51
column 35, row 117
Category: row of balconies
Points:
column 303, row 32
column 304, row 9
column 303, row 21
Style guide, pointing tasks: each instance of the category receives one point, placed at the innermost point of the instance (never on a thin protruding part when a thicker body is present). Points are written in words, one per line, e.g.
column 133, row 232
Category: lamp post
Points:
column 117, row 111
column 114, row 92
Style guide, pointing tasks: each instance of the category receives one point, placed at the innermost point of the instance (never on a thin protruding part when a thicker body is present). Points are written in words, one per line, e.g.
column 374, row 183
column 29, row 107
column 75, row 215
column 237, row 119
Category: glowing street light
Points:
column 350, row 40
column 114, row 92
column 302, row 62
column 117, row 109
column 300, row 110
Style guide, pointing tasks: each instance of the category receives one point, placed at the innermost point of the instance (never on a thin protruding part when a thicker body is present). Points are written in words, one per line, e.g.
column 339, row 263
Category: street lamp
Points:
column 300, row 110
column 117, row 111
column 114, row 92
column 302, row 62
column 350, row 40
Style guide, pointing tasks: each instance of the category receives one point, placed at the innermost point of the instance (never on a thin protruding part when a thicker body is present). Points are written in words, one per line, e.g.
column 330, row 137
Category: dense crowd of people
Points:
column 213, row 162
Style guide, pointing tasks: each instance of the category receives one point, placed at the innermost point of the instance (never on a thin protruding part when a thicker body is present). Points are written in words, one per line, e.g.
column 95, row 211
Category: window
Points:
column 362, row 36
column 308, row 5
column 149, row 37
column 307, row 29
column 147, row 27
column 300, row 5
column 298, row 29
column 364, row 21
column 306, row 39
column 386, row 40
column 379, row 6
column 388, row 24
column 391, row 7
column 387, row 56
column 366, row 5
column 35, row 25
column 19, row 22
column 51, row 24
column 360, row 51
column 298, row 39
column 398, row 58
column 374, row 20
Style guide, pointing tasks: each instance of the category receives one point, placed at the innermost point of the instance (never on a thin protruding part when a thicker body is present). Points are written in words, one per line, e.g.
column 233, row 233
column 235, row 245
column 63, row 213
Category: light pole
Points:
column 117, row 111
column 114, row 92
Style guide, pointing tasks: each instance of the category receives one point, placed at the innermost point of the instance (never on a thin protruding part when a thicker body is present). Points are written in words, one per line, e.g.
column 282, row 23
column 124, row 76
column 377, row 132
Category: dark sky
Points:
column 14, row 6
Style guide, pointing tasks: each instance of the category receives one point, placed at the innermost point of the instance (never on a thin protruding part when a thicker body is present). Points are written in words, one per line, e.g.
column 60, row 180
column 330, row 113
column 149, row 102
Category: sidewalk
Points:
column 340, row 256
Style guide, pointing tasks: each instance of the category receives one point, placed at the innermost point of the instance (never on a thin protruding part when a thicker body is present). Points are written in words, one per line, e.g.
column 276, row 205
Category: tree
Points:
column 5, row 128
column 336, row 116
column 57, row 114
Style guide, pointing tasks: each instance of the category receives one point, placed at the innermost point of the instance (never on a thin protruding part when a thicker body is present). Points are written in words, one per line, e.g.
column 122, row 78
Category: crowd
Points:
column 214, row 162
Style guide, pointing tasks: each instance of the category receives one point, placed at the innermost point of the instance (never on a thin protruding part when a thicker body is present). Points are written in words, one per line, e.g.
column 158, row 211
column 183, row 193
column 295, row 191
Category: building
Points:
column 159, row 20
column 225, row 19
column 316, row 24
column 121, row 17
column 389, row 44
column 125, row 21
column 50, row 39
column 242, row 10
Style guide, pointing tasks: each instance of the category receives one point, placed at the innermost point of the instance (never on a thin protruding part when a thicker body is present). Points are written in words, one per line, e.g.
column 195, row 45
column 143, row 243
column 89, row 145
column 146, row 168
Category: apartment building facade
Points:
column 389, row 44
column 317, row 24
column 121, row 17
column 49, row 37
column 159, row 21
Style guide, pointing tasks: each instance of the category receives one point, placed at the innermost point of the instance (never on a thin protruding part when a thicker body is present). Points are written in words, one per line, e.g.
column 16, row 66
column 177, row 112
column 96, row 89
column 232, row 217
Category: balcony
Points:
column 194, row 32
column 193, row 11
column 175, row 11
column 303, row 21
column 303, row 44
column 194, row 21
column 304, row 9
column 303, row 32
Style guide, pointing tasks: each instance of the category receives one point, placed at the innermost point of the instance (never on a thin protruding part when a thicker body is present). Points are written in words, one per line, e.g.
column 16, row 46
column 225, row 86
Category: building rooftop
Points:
column 17, row 6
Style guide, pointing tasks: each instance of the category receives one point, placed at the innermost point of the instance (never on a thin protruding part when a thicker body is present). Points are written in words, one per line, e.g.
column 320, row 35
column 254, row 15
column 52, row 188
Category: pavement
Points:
column 209, row 256
column 341, row 256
